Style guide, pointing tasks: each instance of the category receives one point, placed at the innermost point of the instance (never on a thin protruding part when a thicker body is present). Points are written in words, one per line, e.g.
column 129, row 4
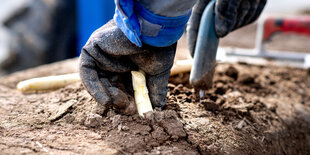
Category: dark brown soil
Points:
column 250, row 110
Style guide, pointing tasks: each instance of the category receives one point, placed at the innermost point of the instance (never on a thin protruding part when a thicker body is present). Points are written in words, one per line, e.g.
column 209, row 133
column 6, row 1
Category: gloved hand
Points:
column 230, row 15
column 105, row 64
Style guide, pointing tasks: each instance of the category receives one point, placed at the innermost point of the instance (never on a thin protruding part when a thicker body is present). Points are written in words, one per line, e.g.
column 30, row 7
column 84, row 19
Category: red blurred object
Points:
column 269, row 26
column 299, row 25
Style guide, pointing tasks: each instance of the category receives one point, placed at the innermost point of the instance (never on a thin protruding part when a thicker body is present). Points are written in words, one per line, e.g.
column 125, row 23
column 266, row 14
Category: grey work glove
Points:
column 230, row 15
column 107, row 60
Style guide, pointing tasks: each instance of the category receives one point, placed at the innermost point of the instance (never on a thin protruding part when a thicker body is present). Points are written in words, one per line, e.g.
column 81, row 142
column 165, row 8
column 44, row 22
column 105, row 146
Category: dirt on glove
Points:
column 250, row 110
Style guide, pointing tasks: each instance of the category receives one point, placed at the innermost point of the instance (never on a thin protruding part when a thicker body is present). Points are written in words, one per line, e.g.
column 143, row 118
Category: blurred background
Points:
column 36, row 32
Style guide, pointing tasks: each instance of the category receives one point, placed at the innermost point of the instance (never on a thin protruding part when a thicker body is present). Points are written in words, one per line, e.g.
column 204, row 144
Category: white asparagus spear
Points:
column 181, row 66
column 48, row 83
column 59, row 81
column 142, row 98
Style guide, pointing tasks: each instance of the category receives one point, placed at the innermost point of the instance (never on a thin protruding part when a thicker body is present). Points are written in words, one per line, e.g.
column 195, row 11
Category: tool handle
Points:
column 201, row 76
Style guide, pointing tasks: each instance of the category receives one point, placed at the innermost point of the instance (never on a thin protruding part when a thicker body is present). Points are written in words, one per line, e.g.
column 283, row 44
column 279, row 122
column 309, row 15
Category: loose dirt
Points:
column 250, row 110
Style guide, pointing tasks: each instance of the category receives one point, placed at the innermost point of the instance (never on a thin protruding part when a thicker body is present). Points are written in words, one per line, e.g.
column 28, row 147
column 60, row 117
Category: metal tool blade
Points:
column 201, row 95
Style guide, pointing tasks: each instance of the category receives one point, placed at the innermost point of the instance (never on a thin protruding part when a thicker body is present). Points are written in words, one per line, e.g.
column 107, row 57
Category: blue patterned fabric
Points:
column 142, row 26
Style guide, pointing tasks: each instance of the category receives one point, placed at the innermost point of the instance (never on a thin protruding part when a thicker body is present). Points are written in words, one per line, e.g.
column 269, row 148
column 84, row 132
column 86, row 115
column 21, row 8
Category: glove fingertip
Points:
column 221, row 28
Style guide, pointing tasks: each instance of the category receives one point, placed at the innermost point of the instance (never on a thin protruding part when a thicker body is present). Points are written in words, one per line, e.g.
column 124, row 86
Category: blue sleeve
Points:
column 127, row 21
column 142, row 26
column 168, row 8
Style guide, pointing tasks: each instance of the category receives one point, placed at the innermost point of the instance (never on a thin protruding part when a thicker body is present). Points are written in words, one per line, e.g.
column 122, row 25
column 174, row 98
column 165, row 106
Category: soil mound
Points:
column 250, row 110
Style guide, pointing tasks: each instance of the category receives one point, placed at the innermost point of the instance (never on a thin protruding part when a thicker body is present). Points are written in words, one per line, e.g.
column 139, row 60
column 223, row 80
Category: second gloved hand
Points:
column 230, row 15
column 233, row 14
column 105, row 64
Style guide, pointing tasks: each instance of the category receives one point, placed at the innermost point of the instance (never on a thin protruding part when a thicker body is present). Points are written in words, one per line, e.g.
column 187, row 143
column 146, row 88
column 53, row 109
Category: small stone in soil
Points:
column 93, row 120
column 210, row 105
column 232, row 72
column 246, row 79
column 116, row 120
column 62, row 110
